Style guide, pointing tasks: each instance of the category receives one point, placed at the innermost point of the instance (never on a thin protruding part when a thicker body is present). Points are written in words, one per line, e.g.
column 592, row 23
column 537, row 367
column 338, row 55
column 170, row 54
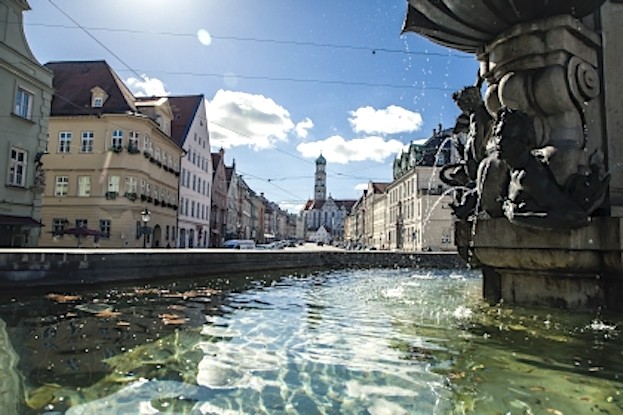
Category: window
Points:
column 155, row 195
column 133, row 141
column 105, row 227
column 158, row 153
column 23, row 103
column 62, row 186
column 117, row 139
column 64, row 141
column 86, row 145
column 113, row 183
column 58, row 225
column 98, row 102
column 17, row 167
column 81, row 223
column 143, row 186
column 131, row 184
column 146, row 141
column 84, row 186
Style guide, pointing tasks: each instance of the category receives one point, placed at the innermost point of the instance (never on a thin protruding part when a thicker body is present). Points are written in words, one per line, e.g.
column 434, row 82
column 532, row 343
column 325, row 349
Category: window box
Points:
column 116, row 149
column 133, row 149
column 131, row 196
column 177, row 173
column 143, row 198
column 156, row 202
column 150, row 199
column 111, row 195
column 147, row 154
column 158, row 163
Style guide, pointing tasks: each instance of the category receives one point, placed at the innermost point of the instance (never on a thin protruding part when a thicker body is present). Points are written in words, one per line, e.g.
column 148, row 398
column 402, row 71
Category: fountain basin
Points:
column 576, row 268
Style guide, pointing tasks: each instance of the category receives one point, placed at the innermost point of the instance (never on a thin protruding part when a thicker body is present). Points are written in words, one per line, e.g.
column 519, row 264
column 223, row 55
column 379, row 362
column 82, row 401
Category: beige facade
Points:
column 109, row 189
column 26, row 91
column 419, row 215
column 103, row 170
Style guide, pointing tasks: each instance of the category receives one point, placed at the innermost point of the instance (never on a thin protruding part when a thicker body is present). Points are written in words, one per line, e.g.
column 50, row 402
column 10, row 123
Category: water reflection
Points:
column 375, row 342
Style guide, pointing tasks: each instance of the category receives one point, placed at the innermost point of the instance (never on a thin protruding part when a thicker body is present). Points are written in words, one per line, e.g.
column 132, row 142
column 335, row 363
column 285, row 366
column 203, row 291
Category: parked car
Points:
column 239, row 244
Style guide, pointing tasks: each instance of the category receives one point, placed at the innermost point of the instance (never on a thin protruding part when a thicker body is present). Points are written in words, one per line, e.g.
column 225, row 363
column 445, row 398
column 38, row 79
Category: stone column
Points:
column 548, row 69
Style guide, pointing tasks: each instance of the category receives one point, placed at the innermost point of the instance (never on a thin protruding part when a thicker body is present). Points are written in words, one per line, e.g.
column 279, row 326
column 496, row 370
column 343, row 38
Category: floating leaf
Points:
column 62, row 298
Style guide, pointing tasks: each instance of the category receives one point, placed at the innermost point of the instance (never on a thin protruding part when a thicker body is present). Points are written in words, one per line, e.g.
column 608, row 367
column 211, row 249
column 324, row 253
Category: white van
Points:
column 239, row 244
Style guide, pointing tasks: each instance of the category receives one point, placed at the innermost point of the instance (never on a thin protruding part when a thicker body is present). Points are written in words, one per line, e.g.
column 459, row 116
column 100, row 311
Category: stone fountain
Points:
column 539, row 185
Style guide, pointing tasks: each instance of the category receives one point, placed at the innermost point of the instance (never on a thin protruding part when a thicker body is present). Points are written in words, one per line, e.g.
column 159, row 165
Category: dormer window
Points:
column 98, row 97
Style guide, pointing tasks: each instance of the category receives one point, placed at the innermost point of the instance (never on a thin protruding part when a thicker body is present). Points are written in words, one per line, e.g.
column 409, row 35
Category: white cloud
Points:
column 291, row 207
column 302, row 128
column 147, row 87
column 338, row 150
column 391, row 120
column 242, row 119
column 361, row 186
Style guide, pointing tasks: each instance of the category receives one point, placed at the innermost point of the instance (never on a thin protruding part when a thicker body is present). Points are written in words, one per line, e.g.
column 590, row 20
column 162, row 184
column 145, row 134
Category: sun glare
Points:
column 204, row 37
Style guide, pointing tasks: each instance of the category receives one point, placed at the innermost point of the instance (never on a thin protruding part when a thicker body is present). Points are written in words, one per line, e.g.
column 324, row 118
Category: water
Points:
column 374, row 342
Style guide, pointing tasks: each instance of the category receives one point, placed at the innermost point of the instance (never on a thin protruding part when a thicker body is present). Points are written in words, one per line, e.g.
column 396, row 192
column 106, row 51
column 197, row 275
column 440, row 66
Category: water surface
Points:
column 375, row 342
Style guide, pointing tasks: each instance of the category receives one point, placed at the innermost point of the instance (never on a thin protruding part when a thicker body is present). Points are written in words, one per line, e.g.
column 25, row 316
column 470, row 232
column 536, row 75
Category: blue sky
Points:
column 284, row 80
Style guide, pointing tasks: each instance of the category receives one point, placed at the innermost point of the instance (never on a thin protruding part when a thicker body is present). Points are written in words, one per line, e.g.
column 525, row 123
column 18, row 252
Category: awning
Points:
column 9, row 220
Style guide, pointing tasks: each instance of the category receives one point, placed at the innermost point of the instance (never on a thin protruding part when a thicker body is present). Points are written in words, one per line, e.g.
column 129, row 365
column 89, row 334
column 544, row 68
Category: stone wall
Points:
column 38, row 267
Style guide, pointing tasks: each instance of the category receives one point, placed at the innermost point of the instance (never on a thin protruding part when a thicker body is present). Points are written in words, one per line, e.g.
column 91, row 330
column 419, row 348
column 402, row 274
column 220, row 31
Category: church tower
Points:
column 320, row 179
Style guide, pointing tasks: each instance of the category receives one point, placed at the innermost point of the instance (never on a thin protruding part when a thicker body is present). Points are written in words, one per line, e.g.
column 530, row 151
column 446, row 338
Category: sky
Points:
column 284, row 81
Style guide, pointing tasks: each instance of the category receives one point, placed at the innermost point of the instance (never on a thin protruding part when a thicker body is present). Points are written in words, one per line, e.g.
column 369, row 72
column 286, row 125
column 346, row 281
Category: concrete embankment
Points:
column 22, row 268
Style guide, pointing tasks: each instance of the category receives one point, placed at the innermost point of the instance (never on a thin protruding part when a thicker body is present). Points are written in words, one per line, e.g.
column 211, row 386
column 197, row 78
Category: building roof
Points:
column 73, row 82
column 312, row 204
column 379, row 187
column 184, row 110
column 321, row 160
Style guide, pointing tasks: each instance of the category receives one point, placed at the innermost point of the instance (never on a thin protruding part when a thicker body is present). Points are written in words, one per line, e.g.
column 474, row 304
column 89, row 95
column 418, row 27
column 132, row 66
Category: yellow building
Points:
column 110, row 158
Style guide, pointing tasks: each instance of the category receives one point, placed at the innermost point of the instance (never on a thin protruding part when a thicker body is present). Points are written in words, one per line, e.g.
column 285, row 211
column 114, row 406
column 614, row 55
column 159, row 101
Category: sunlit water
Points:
column 375, row 342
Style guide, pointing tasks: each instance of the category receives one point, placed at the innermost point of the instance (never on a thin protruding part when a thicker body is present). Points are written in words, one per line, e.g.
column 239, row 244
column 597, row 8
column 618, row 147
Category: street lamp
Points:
column 145, row 219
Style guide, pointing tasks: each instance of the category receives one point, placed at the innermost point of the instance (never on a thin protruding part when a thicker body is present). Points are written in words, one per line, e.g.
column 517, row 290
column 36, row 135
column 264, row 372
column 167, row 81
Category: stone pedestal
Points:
column 581, row 268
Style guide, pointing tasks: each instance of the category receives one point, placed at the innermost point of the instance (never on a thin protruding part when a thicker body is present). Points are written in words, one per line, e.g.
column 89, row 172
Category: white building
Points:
column 190, row 130
column 323, row 211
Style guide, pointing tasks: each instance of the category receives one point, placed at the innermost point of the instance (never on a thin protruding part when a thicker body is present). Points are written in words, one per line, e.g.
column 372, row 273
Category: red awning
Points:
column 9, row 220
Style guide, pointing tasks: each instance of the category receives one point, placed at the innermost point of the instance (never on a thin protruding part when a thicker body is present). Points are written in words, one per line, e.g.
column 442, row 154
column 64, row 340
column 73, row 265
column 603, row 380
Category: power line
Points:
column 370, row 49
column 300, row 80
column 95, row 39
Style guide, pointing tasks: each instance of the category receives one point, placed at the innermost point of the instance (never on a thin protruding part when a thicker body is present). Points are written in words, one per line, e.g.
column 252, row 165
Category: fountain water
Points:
column 543, row 217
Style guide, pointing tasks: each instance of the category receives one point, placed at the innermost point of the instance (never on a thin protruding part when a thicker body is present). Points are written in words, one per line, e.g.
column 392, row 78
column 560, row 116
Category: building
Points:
column 218, row 212
column 189, row 129
column 233, row 219
column 26, row 86
column 412, row 212
column 112, row 167
column 419, row 217
column 323, row 211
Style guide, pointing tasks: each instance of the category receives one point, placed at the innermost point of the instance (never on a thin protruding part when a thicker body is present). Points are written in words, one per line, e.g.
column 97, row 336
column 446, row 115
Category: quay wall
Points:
column 23, row 268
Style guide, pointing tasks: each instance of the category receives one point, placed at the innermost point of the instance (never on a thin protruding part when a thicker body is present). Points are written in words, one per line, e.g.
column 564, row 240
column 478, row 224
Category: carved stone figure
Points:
column 39, row 180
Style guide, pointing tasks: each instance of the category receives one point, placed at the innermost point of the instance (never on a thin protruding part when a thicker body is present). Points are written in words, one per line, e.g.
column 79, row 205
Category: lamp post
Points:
column 145, row 217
